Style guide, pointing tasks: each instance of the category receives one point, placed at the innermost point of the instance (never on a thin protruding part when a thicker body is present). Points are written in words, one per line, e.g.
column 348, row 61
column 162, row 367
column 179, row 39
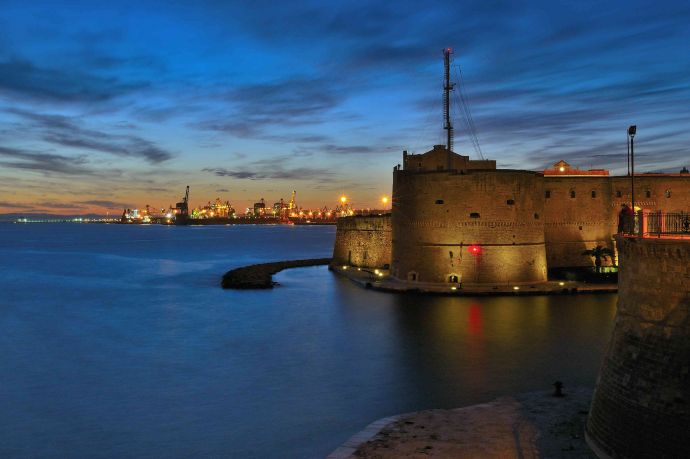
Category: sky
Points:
column 105, row 105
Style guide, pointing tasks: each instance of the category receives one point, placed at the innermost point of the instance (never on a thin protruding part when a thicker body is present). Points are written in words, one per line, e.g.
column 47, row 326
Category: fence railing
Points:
column 659, row 224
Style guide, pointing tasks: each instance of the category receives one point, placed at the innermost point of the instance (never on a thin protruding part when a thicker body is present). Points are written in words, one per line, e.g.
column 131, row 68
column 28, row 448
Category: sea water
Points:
column 117, row 341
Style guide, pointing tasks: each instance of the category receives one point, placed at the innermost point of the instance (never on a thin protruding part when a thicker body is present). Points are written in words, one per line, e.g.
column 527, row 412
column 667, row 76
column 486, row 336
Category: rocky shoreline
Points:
column 261, row 276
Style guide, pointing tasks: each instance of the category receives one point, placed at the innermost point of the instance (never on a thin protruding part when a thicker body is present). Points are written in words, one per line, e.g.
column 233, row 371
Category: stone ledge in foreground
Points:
column 531, row 425
column 261, row 275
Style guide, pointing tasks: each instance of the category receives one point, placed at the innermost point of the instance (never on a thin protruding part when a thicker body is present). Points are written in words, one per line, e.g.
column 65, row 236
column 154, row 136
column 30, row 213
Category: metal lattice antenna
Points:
column 447, row 88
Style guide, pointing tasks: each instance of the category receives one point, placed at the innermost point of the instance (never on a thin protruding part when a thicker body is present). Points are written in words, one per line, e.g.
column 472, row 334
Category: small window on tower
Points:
column 474, row 215
column 510, row 202
column 668, row 193
column 648, row 194
column 594, row 194
column 572, row 193
column 439, row 201
column 618, row 193
column 547, row 193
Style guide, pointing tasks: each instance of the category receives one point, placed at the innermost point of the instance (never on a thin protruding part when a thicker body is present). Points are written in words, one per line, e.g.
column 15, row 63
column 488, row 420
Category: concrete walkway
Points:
column 380, row 279
column 532, row 425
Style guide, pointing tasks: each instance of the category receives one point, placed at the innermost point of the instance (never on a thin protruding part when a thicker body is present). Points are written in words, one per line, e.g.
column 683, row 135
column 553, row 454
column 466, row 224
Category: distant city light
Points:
column 561, row 284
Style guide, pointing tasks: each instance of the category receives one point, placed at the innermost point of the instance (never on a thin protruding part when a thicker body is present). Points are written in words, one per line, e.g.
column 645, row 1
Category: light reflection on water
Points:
column 116, row 341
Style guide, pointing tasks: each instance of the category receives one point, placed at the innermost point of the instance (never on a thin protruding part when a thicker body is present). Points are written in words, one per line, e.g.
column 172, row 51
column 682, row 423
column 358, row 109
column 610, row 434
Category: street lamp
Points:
column 632, row 130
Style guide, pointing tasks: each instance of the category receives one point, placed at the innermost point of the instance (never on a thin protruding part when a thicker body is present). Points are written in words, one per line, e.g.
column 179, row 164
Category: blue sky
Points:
column 104, row 105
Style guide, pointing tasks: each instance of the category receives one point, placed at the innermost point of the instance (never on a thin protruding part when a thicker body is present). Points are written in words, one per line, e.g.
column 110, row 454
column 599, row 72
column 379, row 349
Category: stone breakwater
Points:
column 261, row 275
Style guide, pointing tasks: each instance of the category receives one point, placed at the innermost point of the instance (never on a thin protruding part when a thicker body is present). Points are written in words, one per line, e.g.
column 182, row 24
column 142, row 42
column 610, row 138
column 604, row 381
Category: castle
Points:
column 457, row 220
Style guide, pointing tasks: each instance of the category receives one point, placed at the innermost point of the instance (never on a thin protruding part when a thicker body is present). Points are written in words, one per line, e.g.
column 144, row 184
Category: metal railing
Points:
column 659, row 224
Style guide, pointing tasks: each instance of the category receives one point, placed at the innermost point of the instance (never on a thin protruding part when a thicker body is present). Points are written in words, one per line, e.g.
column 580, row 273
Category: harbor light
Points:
column 344, row 267
column 516, row 287
column 561, row 284
column 453, row 288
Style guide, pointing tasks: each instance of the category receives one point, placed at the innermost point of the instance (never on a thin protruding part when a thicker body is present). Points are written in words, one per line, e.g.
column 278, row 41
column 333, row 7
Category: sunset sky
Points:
column 121, row 104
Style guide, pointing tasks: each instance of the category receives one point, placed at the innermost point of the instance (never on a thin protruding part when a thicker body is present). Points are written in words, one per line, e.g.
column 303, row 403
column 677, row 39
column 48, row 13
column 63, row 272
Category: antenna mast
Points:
column 447, row 88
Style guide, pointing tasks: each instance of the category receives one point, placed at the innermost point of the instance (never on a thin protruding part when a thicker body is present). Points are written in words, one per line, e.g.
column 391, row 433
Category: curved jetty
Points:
column 260, row 276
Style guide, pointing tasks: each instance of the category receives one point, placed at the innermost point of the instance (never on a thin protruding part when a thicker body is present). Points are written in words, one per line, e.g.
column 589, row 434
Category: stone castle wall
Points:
column 641, row 406
column 432, row 240
column 363, row 241
column 582, row 212
column 438, row 219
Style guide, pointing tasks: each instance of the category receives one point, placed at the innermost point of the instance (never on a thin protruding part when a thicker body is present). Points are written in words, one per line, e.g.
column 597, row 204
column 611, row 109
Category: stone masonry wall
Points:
column 363, row 241
column 641, row 406
column 582, row 212
column 439, row 218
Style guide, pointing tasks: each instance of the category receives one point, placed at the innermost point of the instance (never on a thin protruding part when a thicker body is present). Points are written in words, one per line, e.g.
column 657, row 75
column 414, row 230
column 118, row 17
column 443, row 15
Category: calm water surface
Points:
column 116, row 341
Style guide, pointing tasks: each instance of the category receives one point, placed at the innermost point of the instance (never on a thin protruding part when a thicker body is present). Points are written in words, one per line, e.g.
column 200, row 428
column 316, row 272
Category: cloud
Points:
column 106, row 204
column 278, row 173
column 255, row 109
column 64, row 131
column 58, row 205
column 23, row 78
column 44, row 162
column 12, row 205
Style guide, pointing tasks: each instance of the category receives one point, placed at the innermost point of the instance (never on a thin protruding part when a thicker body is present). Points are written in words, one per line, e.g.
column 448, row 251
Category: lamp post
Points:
column 632, row 130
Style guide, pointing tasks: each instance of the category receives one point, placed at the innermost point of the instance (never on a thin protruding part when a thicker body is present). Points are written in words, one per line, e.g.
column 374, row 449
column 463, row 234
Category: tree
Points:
column 598, row 253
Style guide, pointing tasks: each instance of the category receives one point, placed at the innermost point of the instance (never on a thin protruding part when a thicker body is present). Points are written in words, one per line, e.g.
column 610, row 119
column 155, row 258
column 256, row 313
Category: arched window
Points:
column 453, row 279
column 594, row 194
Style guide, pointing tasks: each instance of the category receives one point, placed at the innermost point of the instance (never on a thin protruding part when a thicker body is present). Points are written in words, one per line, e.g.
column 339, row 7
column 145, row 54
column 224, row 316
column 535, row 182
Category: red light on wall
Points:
column 474, row 249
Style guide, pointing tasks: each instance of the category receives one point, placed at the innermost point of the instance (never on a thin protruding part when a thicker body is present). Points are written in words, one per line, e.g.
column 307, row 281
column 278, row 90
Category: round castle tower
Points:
column 641, row 406
column 456, row 220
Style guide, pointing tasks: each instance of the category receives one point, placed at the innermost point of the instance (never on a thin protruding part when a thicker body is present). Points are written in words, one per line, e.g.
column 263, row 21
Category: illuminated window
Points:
column 594, row 194
column 474, row 215
column 510, row 202
column 572, row 193
column 439, row 201
column 547, row 193
column 618, row 193
column 668, row 193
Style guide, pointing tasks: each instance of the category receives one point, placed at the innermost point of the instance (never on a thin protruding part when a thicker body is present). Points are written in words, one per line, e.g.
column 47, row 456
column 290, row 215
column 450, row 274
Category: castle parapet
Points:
column 641, row 406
